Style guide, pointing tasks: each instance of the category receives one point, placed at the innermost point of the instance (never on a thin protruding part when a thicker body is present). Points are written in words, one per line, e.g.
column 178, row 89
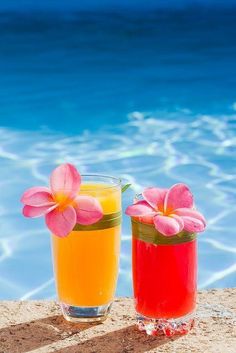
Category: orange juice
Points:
column 86, row 262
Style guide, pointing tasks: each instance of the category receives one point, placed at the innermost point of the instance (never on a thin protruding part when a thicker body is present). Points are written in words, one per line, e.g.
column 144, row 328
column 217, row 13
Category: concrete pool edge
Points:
column 37, row 326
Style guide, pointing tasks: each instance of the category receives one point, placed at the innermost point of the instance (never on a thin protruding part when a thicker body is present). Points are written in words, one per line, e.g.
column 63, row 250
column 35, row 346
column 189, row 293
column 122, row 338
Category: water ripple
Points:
column 149, row 149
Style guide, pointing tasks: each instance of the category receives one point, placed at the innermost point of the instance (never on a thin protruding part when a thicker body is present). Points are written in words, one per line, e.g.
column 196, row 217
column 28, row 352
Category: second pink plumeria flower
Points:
column 61, row 204
column 170, row 210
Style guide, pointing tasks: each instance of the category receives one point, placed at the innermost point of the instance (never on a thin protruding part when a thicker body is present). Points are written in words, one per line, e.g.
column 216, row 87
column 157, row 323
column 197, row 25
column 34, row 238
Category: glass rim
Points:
column 116, row 181
column 137, row 196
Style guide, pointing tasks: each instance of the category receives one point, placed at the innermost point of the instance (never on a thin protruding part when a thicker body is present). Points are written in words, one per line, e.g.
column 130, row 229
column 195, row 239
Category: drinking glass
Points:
column 86, row 262
column 164, row 279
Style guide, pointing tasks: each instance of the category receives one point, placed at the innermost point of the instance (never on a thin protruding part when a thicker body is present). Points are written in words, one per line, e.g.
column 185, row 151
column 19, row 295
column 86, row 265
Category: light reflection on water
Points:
column 146, row 150
column 78, row 72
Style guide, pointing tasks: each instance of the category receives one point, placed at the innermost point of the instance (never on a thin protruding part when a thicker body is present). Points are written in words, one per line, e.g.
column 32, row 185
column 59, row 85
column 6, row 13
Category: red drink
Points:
column 164, row 280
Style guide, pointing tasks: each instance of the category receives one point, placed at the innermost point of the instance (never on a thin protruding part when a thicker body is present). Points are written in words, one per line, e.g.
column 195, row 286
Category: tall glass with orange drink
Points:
column 86, row 262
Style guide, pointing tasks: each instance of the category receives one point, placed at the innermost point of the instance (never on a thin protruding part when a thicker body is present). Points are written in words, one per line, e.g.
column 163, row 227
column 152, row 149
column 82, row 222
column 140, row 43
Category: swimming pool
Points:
column 149, row 97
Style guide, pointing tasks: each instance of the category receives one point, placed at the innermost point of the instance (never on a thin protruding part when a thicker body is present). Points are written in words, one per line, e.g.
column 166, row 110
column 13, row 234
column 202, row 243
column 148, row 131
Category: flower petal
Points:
column 88, row 210
column 155, row 197
column 140, row 208
column 178, row 196
column 65, row 179
column 38, row 211
column 193, row 225
column 61, row 223
column 190, row 213
column 168, row 225
column 37, row 196
column 146, row 219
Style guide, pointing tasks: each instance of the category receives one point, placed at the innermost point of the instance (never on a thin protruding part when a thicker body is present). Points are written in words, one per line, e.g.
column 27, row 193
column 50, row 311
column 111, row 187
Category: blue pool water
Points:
column 149, row 96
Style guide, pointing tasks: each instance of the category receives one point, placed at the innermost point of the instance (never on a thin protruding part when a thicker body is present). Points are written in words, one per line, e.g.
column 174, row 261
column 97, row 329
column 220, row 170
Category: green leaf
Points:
column 125, row 187
column 108, row 221
column 149, row 234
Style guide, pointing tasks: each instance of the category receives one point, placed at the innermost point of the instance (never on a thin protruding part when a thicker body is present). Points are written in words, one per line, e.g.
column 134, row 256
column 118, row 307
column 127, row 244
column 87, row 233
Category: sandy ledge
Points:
column 37, row 326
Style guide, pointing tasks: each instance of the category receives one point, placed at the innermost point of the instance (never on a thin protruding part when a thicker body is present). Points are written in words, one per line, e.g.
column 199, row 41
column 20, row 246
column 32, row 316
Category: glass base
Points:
column 85, row 313
column 167, row 327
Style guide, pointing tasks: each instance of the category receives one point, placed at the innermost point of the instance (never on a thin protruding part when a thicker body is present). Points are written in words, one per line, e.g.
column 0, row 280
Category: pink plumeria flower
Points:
column 171, row 210
column 61, row 205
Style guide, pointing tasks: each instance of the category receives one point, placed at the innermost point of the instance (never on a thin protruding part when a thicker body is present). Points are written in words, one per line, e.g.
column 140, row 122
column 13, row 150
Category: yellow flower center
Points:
column 63, row 201
column 167, row 212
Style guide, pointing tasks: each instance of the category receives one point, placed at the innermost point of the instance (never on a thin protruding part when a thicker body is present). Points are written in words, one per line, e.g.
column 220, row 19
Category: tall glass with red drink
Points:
column 164, row 279
column 165, row 224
